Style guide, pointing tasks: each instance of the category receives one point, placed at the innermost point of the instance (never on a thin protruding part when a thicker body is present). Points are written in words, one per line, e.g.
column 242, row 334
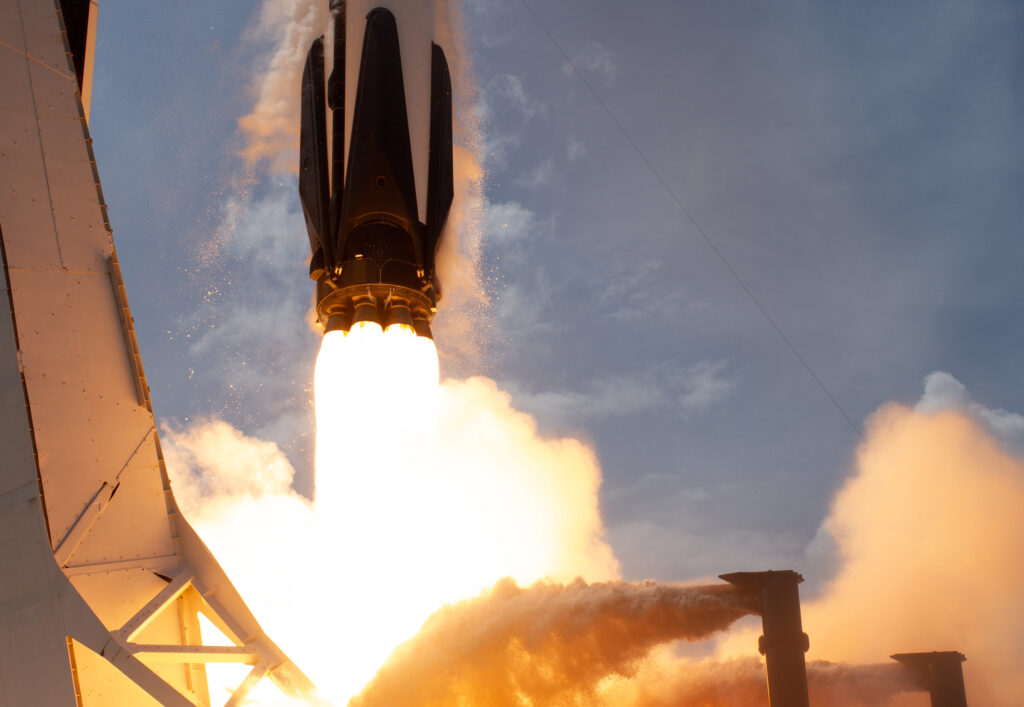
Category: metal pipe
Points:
column 940, row 673
column 784, row 642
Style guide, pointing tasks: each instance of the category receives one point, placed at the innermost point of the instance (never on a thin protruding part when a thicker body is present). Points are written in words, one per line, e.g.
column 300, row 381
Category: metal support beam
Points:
column 73, row 406
column 144, row 616
column 213, row 609
column 258, row 672
column 156, row 563
column 194, row 654
column 83, row 524
column 784, row 642
column 940, row 673
column 97, row 504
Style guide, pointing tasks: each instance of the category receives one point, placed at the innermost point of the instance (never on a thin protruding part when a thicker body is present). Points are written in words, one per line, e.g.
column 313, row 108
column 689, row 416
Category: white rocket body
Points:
column 416, row 31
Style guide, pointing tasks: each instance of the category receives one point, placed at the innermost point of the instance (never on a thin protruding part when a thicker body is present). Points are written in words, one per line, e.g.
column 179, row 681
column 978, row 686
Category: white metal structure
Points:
column 101, row 579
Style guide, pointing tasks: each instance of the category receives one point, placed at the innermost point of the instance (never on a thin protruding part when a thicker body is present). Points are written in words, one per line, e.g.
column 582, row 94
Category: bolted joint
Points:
column 764, row 645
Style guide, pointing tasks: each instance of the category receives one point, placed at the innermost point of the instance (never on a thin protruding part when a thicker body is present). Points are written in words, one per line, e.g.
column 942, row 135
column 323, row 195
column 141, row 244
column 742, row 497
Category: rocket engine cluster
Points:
column 373, row 245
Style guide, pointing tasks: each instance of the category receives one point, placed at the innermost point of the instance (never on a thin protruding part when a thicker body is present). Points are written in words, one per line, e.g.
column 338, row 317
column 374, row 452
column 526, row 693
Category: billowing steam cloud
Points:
column 349, row 578
column 550, row 644
column 227, row 484
column 930, row 532
column 662, row 679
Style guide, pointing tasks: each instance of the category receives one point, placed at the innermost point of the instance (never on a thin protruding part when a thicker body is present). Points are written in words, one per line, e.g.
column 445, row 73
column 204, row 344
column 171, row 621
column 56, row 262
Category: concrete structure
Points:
column 101, row 579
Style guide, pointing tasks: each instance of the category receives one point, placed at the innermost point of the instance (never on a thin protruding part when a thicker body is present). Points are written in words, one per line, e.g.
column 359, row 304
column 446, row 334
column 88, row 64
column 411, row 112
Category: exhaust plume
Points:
column 548, row 644
column 413, row 510
column 608, row 645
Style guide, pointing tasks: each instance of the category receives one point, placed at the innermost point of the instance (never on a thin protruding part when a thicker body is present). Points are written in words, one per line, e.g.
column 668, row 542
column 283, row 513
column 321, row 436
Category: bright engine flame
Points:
column 376, row 407
column 416, row 510
column 426, row 493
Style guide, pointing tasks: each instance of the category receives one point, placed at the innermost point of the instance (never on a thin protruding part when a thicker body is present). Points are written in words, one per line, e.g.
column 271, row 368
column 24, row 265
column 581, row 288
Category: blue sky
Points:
column 859, row 166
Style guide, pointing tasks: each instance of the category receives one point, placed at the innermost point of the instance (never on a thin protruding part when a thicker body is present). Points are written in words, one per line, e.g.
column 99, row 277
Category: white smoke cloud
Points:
column 944, row 392
column 473, row 494
column 229, row 485
column 271, row 129
column 929, row 532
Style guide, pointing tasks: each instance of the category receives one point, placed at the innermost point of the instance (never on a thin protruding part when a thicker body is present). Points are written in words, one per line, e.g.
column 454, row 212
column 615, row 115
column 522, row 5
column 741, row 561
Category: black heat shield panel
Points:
column 336, row 104
column 441, row 187
column 313, row 179
column 380, row 183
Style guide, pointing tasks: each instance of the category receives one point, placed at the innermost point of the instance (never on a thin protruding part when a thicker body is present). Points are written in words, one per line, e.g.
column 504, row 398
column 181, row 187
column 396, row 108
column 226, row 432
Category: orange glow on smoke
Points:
column 426, row 493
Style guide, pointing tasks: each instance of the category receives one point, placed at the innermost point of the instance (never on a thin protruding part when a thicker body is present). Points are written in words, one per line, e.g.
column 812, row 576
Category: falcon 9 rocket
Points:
column 373, row 244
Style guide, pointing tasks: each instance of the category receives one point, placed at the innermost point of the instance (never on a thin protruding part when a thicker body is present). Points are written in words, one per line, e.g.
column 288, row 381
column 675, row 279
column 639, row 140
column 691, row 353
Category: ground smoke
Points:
column 664, row 680
column 548, row 644
column 929, row 533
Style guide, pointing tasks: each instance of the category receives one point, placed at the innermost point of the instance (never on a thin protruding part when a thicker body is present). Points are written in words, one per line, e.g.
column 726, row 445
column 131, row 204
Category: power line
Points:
column 691, row 219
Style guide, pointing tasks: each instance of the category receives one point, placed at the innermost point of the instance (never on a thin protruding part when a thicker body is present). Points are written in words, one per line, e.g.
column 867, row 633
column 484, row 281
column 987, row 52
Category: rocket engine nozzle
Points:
column 372, row 254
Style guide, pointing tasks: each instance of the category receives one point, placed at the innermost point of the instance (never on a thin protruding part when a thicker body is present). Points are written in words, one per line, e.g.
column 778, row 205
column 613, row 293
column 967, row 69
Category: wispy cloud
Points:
column 542, row 175
column 504, row 108
column 509, row 222
column 496, row 148
column 680, row 549
column 522, row 290
column 506, row 92
column 659, row 524
column 250, row 346
column 575, row 148
column 640, row 289
column 593, row 57
column 683, row 390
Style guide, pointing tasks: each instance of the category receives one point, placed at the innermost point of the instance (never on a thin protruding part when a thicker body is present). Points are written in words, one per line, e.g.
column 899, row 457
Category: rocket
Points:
column 373, row 239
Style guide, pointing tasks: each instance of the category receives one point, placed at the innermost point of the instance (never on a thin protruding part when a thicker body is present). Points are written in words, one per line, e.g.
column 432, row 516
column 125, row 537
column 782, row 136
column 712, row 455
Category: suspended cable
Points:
column 691, row 219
